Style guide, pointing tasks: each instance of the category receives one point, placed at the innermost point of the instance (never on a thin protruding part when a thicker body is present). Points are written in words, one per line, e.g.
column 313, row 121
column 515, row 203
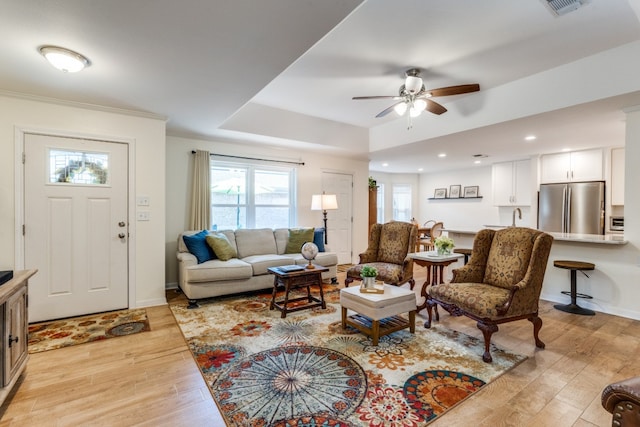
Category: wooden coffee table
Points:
column 290, row 280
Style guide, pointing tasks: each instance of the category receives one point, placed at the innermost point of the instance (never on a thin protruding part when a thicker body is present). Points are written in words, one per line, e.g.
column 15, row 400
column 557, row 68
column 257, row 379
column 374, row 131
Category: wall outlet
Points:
column 144, row 216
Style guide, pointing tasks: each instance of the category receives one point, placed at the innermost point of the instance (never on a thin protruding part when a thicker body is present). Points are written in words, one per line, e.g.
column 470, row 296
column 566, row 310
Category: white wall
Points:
column 147, row 136
column 464, row 214
column 179, row 170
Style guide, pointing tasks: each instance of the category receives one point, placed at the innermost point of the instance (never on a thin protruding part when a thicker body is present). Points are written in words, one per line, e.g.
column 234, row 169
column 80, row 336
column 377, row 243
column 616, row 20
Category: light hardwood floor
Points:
column 150, row 379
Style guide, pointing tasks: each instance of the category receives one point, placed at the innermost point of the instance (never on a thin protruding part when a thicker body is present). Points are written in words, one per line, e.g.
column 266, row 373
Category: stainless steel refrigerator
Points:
column 572, row 208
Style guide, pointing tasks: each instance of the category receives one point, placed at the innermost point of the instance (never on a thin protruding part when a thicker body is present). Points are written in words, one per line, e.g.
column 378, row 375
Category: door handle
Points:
column 12, row 339
column 121, row 235
column 121, row 224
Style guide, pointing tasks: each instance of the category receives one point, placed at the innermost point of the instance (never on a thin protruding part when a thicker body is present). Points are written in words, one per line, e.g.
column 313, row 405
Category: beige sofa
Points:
column 258, row 249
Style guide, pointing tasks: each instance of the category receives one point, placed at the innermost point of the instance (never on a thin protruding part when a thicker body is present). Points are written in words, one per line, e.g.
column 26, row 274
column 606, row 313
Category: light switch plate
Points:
column 144, row 215
column 143, row 201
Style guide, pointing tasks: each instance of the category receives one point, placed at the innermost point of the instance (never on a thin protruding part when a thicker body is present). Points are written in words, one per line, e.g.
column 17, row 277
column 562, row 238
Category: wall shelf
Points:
column 454, row 198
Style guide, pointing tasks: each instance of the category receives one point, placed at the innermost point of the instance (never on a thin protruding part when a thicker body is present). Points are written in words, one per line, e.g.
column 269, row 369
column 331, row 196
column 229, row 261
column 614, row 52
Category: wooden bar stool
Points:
column 464, row 251
column 575, row 266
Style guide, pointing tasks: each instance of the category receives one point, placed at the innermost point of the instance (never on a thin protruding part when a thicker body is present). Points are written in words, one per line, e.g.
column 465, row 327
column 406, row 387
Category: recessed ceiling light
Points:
column 64, row 59
column 385, row 164
column 530, row 138
column 477, row 162
column 420, row 169
column 566, row 149
column 442, row 155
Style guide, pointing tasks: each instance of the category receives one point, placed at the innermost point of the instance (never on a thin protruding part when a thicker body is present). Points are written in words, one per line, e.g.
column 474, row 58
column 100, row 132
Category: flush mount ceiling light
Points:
column 64, row 59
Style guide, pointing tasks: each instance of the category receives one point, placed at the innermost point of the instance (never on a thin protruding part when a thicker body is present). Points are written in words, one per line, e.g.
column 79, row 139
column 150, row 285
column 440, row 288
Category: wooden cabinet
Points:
column 575, row 166
column 617, row 176
column 373, row 206
column 15, row 329
column 511, row 183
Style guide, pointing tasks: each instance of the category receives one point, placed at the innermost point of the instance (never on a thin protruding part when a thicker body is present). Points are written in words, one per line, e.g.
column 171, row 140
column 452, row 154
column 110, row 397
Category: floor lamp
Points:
column 324, row 202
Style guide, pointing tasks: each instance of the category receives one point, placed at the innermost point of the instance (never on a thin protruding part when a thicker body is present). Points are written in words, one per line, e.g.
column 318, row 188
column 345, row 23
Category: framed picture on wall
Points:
column 471, row 191
column 454, row 191
column 440, row 193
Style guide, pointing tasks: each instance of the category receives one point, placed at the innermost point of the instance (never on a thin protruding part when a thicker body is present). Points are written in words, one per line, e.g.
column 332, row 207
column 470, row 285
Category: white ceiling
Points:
column 283, row 72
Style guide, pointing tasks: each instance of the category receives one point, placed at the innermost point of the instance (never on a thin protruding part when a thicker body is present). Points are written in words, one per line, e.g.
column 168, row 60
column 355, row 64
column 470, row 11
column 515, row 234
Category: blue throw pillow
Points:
column 197, row 245
column 318, row 238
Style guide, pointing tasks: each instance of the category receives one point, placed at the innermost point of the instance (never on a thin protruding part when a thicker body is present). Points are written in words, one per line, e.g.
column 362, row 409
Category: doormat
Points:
column 79, row 330
column 305, row 370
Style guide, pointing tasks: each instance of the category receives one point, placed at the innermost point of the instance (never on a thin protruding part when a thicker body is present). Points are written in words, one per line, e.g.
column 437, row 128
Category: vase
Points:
column 368, row 282
column 444, row 251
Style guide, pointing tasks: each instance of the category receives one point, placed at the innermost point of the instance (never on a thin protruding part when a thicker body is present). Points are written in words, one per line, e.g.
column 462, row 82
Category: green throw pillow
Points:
column 221, row 246
column 297, row 238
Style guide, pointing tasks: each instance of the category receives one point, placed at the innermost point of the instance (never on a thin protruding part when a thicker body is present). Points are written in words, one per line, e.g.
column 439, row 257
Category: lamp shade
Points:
column 323, row 202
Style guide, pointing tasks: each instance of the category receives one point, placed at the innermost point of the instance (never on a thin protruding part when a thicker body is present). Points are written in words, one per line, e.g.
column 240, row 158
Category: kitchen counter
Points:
column 607, row 239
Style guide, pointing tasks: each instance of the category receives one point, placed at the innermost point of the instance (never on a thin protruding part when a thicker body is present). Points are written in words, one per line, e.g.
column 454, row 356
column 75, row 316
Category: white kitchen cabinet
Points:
column 617, row 176
column 14, row 330
column 575, row 166
column 511, row 182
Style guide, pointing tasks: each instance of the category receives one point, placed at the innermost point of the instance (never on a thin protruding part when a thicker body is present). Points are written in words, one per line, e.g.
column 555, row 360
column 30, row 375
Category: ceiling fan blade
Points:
column 454, row 90
column 388, row 110
column 434, row 107
column 378, row 97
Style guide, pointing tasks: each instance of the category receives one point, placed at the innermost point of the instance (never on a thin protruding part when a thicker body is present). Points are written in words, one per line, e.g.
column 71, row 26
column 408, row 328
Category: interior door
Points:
column 76, row 226
column 339, row 229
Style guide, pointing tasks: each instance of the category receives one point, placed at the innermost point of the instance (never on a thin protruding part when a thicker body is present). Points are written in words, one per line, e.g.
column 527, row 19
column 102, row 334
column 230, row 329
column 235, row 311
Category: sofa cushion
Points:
column 260, row 263
column 197, row 245
column 509, row 257
column 297, row 238
column 217, row 270
column 318, row 238
column 255, row 242
column 221, row 246
column 282, row 237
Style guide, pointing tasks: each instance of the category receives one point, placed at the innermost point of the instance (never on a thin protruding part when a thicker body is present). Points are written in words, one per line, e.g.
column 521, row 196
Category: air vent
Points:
column 560, row 7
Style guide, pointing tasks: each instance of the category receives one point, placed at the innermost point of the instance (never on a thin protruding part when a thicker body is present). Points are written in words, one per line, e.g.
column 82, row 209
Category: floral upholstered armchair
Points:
column 501, row 282
column 389, row 245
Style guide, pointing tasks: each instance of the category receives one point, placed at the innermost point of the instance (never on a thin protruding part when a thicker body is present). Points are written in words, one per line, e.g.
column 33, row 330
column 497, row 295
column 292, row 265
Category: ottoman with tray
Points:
column 377, row 314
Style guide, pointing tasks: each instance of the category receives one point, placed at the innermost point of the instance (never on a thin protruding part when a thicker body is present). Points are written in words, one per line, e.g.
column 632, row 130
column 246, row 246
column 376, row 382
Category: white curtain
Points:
column 200, row 218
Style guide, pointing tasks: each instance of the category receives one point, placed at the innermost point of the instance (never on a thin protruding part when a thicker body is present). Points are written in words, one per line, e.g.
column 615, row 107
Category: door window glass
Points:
column 78, row 167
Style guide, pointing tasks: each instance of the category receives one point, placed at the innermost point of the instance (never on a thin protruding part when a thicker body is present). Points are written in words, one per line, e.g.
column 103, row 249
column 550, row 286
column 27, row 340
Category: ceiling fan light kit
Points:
column 413, row 96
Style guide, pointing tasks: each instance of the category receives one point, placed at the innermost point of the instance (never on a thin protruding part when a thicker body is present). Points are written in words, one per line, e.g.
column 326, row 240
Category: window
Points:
column 380, row 204
column 251, row 196
column 401, row 202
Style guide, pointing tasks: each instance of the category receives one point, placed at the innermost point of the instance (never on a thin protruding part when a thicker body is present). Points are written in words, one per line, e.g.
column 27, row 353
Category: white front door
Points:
column 76, row 225
column 339, row 228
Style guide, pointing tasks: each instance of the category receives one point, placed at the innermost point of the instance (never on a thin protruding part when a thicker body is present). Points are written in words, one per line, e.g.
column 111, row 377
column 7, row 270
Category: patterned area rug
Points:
column 305, row 370
column 78, row 330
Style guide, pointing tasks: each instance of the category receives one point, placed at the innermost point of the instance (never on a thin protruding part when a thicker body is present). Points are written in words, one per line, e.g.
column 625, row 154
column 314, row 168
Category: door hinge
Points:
column 24, row 157
column 23, row 229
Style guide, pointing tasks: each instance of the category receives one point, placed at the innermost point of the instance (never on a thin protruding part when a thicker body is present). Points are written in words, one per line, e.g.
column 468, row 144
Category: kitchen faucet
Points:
column 513, row 223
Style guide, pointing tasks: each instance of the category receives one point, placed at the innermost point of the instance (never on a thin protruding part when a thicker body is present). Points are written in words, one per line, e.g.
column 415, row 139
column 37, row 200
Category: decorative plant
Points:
column 444, row 244
column 372, row 183
column 368, row 271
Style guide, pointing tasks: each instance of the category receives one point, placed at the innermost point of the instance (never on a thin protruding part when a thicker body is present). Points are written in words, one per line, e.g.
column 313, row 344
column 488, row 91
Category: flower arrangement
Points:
column 368, row 271
column 444, row 245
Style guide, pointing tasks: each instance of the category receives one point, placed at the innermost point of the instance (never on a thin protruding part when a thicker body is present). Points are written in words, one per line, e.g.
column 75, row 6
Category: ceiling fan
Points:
column 414, row 97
